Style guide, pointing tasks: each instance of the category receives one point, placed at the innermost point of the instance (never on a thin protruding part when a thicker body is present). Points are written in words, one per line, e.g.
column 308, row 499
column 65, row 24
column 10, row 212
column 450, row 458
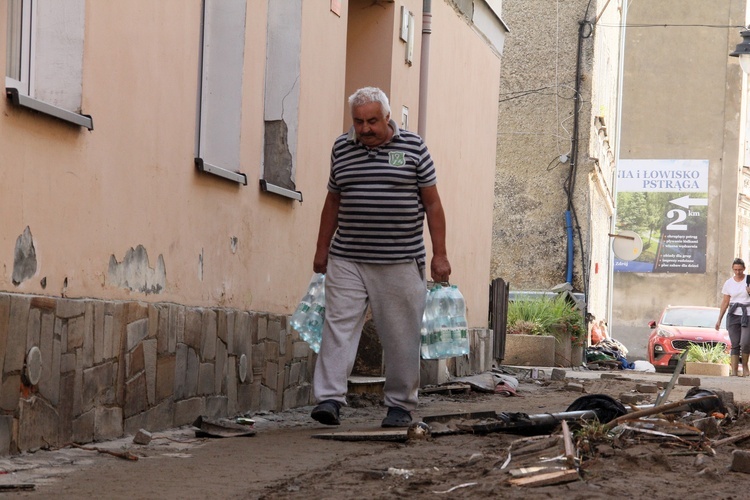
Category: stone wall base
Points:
column 85, row 370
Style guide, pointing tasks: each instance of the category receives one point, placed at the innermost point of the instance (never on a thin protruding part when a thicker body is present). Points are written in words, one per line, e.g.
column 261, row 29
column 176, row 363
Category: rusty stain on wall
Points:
column 135, row 272
column 24, row 258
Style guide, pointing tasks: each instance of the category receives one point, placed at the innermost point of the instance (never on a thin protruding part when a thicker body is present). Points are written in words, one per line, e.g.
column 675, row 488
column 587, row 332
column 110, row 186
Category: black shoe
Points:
column 327, row 412
column 397, row 417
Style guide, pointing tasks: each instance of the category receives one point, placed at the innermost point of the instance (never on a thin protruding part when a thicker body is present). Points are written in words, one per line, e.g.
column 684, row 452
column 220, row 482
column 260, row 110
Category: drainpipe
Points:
column 424, row 66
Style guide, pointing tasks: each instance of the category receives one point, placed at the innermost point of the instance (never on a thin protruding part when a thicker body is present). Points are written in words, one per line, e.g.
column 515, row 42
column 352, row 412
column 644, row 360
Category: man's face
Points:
column 370, row 125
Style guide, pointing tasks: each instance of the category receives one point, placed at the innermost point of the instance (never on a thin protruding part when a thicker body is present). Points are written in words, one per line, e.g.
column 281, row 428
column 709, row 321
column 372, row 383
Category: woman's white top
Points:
column 737, row 293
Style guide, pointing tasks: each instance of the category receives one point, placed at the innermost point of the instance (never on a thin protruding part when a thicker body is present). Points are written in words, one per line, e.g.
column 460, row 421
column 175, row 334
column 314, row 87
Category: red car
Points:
column 678, row 327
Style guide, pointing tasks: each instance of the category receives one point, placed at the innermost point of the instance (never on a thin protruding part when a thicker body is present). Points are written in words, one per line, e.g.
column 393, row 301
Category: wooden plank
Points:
column 570, row 454
column 372, row 435
column 546, row 479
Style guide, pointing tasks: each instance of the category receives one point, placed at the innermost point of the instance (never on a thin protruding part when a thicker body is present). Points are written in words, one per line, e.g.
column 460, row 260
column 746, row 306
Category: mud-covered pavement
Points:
column 284, row 460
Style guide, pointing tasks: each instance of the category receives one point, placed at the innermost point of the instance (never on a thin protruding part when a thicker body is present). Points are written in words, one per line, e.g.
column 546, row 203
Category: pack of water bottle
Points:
column 311, row 312
column 444, row 326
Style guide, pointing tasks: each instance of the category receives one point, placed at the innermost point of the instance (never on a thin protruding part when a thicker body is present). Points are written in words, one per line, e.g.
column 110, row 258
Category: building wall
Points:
column 155, row 292
column 535, row 150
column 681, row 100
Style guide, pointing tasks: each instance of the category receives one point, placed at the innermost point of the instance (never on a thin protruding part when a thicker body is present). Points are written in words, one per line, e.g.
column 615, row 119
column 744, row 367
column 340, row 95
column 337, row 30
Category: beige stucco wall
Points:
column 681, row 100
column 91, row 196
column 87, row 196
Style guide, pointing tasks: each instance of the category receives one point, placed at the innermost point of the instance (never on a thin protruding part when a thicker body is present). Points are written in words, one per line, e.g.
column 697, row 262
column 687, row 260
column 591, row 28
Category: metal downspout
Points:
column 424, row 66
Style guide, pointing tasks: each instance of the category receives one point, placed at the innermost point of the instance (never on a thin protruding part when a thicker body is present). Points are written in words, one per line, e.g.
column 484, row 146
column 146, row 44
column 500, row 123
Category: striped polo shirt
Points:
column 381, row 216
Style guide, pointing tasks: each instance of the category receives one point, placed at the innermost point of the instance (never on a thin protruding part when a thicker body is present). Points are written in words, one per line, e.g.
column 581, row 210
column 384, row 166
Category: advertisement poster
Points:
column 666, row 203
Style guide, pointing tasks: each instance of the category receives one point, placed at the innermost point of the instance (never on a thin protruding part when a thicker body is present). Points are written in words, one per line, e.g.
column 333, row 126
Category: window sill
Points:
column 287, row 193
column 25, row 101
column 237, row 177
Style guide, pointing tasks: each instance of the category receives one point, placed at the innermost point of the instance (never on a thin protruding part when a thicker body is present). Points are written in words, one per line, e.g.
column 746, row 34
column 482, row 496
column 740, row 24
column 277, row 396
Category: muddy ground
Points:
column 284, row 459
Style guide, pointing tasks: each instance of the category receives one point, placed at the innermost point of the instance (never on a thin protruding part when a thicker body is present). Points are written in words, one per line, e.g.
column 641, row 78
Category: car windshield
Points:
column 701, row 318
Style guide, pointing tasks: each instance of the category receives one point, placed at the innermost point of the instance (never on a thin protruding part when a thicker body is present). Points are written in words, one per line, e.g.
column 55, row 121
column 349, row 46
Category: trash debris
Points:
column 142, row 437
column 220, row 428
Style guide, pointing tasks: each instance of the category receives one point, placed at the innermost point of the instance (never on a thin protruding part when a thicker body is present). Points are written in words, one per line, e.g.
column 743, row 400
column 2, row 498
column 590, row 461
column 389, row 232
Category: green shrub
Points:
column 546, row 316
column 707, row 354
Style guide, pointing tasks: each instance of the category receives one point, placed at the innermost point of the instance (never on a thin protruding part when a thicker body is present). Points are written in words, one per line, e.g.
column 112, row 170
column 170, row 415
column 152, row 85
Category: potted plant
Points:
column 707, row 360
column 542, row 331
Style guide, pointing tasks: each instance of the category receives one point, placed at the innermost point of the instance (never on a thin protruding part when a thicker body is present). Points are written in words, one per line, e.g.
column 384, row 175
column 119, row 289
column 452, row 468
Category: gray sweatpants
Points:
column 396, row 293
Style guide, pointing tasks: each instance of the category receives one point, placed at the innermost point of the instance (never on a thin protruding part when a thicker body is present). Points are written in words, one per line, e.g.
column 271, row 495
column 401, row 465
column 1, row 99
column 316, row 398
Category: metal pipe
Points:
column 424, row 67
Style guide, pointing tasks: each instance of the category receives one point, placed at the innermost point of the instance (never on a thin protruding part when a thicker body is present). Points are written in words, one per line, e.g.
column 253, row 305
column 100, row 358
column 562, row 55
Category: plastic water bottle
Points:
column 301, row 319
column 442, row 323
column 427, row 323
column 460, row 327
column 315, row 318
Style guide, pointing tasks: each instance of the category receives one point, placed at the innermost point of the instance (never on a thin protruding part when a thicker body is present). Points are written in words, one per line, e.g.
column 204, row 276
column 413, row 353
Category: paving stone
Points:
column 88, row 336
column 193, row 327
column 136, row 331
column 65, row 407
column 180, row 371
column 693, row 381
column 37, row 424
column 221, row 324
column 631, row 398
column 647, row 388
column 15, row 348
column 6, row 434
column 176, row 325
column 67, row 362
column 740, row 461
column 573, row 387
column 70, row 308
column 216, row 406
column 220, row 374
column 10, row 392
column 154, row 419
column 34, row 328
column 267, row 399
column 273, row 329
column 186, row 411
column 610, row 376
column 232, row 406
column 135, row 396
column 136, row 311
column 142, row 437
column 208, row 336
column 149, row 357
column 300, row 349
column 109, row 325
column 206, row 378
column 108, row 423
column 558, row 374
column 100, row 354
column 153, row 321
column 262, row 327
column 165, row 377
column 75, row 333
column 83, row 427
column 192, row 374
column 4, row 321
column 294, row 397
column 241, row 332
column 134, row 362
column 49, row 384
column 283, row 340
column 98, row 385
column 270, row 378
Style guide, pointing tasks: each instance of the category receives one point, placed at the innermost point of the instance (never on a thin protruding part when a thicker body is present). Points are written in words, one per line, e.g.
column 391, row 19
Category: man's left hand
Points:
column 440, row 269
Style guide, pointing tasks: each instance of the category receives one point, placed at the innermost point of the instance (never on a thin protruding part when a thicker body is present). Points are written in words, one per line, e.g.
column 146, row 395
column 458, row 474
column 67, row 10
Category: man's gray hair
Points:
column 367, row 95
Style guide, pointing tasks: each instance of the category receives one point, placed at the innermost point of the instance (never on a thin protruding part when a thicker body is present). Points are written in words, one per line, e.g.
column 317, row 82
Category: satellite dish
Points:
column 627, row 245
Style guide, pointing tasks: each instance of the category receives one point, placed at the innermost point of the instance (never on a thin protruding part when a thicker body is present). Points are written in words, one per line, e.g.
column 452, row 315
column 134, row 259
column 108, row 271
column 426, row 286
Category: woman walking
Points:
column 737, row 301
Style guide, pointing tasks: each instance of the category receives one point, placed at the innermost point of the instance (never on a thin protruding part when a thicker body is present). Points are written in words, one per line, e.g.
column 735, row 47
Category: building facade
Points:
column 556, row 147
column 164, row 166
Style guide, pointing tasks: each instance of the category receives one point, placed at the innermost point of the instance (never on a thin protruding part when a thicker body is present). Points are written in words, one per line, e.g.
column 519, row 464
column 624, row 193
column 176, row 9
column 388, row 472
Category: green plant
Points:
column 546, row 316
column 707, row 353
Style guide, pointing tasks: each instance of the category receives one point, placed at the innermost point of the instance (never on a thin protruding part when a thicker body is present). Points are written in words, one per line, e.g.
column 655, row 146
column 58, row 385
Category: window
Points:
column 44, row 59
column 220, row 100
column 281, row 100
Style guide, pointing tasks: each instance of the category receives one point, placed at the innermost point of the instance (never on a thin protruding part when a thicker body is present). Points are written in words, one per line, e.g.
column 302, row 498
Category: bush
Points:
column 707, row 354
column 546, row 316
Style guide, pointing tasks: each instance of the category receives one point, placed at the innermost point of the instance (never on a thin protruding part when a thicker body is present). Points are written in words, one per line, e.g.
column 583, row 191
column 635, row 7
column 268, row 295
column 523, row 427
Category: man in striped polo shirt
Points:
column 381, row 186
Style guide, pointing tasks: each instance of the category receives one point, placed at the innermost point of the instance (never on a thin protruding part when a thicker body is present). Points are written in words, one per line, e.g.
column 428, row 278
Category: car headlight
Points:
column 658, row 348
column 664, row 333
